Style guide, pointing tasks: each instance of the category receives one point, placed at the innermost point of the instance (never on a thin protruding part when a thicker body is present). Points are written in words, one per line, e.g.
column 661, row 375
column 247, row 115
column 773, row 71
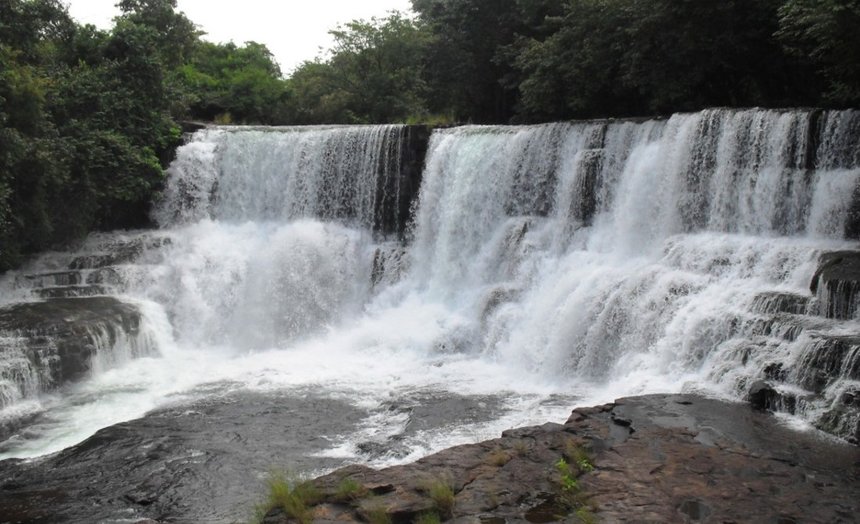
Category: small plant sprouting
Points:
column 574, row 463
column 568, row 478
column 578, row 456
column 585, row 516
column 585, row 465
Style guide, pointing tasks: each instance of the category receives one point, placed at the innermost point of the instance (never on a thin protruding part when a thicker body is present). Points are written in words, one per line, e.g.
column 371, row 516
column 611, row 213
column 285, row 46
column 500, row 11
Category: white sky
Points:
column 293, row 31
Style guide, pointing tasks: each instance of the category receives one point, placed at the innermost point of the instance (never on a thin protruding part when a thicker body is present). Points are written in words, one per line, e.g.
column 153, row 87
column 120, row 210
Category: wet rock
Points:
column 843, row 417
column 71, row 291
column 690, row 459
column 583, row 206
column 826, row 359
column 46, row 344
column 390, row 262
column 774, row 302
column 836, row 284
column 495, row 297
column 763, row 396
column 206, row 462
column 118, row 251
column 397, row 189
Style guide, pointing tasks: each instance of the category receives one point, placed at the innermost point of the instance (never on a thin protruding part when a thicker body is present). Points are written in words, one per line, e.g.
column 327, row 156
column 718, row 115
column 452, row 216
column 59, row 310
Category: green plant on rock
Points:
column 569, row 467
column 578, row 457
column 293, row 496
column 430, row 517
column 585, row 515
column 498, row 457
column 521, row 447
column 349, row 490
column 442, row 495
column 377, row 514
column 568, row 477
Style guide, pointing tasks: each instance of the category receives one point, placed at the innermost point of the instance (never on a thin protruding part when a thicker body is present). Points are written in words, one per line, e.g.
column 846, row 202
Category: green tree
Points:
column 242, row 82
column 684, row 55
column 85, row 126
column 825, row 32
column 373, row 74
column 576, row 71
column 313, row 96
column 177, row 35
column 463, row 71
column 644, row 57
column 374, row 63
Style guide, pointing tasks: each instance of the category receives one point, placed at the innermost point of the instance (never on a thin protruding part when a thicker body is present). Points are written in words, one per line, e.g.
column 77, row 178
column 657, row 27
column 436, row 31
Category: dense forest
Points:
column 88, row 118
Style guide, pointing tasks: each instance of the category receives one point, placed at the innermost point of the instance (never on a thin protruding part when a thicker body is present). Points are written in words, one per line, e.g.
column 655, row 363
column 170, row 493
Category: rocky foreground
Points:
column 657, row 458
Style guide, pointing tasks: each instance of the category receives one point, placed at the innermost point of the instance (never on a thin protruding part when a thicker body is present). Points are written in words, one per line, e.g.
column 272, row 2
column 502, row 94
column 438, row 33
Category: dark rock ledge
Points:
column 657, row 458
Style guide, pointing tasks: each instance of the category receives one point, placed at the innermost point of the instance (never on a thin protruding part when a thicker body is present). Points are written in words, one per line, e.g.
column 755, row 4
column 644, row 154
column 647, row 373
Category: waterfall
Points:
column 284, row 173
column 709, row 252
column 640, row 254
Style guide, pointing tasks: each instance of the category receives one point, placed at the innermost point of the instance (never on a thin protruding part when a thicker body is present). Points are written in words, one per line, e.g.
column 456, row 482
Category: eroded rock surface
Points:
column 658, row 458
column 46, row 344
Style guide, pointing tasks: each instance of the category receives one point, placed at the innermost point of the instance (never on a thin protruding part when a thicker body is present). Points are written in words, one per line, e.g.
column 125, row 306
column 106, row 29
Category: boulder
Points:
column 836, row 284
column 46, row 344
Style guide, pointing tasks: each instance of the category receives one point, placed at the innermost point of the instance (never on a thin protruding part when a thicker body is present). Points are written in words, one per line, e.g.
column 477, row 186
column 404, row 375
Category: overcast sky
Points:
column 294, row 31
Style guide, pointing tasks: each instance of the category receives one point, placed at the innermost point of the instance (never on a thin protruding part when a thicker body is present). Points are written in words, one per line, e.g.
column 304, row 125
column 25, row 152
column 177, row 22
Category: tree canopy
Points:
column 88, row 118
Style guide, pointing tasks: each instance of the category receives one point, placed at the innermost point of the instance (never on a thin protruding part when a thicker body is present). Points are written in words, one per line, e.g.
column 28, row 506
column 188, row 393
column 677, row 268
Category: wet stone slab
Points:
column 657, row 458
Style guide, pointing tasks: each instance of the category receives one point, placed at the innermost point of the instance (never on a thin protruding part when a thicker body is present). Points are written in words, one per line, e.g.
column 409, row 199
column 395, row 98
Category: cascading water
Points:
column 546, row 265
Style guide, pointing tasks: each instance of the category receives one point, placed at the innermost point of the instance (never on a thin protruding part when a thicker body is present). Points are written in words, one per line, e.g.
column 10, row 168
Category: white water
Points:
column 585, row 260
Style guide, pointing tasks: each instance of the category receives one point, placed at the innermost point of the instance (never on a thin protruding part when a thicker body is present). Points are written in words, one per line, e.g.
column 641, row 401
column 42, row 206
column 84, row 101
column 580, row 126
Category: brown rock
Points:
column 659, row 458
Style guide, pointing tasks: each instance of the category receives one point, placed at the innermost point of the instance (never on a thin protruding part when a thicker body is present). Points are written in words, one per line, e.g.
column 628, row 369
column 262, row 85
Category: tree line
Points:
column 88, row 117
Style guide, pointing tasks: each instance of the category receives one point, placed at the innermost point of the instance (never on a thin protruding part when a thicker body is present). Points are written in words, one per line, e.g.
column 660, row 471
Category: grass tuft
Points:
column 498, row 457
column 430, row 517
column 378, row 514
column 442, row 495
column 293, row 496
column 521, row 447
column 349, row 490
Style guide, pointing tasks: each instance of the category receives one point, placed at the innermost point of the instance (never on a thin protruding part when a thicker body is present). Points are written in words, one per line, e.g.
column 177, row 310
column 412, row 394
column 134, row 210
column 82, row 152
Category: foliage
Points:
column 578, row 457
column 243, row 82
column 638, row 57
column 177, row 35
column 824, row 32
column 371, row 75
column 88, row 117
column 84, row 122
column 574, row 462
column 464, row 68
